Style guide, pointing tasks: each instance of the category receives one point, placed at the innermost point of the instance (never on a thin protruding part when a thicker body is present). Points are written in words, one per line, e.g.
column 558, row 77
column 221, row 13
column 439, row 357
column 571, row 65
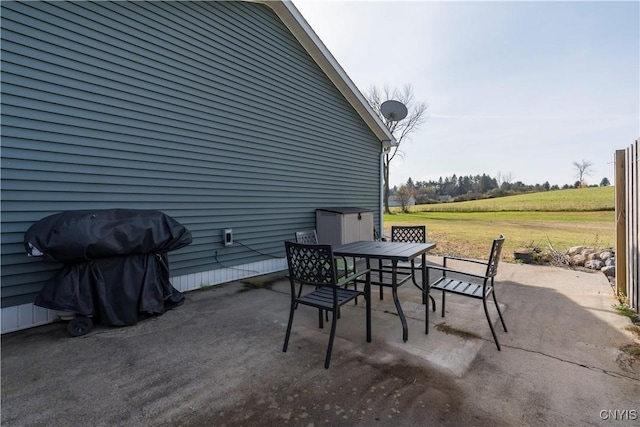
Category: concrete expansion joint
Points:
column 582, row 365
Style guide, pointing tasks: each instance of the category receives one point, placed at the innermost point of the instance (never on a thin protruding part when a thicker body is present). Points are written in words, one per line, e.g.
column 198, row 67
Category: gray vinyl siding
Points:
column 209, row 111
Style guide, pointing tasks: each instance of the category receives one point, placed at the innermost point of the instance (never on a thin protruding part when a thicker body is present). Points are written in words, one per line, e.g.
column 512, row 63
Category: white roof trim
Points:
column 301, row 29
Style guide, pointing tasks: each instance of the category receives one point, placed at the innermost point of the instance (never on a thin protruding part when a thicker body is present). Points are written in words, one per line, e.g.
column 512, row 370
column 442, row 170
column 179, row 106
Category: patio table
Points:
column 395, row 252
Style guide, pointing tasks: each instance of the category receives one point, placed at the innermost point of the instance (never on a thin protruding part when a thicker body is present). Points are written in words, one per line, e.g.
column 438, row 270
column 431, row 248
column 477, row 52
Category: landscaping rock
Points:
column 594, row 259
column 578, row 260
column 575, row 250
column 606, row 255
column 594, row 264
column 609, row 271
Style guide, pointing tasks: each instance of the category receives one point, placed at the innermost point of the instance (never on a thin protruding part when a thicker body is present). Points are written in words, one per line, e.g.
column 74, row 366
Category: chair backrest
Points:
column 494, row 258
column 409, row 234
column 307, row 237
column 310, row 264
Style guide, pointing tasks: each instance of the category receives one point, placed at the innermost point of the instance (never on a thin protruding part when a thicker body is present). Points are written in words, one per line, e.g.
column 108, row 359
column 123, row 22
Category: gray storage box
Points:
column 338, row 226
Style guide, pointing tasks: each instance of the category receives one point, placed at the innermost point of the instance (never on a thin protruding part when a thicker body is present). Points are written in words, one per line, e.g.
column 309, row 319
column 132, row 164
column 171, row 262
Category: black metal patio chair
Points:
column 344, row 267
column 313, row 265
column 479, row 286
column 410, row 234
column 308, row 237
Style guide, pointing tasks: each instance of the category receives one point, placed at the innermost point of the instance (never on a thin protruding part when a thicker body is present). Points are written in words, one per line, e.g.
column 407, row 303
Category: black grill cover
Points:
column 78, row 236
column 116, row 266
column 115, row 291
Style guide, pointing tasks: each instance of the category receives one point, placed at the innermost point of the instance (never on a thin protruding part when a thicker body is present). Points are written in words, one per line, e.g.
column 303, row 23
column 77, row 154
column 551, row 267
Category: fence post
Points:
column 633, row 231
column 621, row 224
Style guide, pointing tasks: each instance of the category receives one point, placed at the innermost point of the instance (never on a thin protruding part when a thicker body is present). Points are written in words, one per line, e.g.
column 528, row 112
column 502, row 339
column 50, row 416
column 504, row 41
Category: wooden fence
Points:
column 627, row 227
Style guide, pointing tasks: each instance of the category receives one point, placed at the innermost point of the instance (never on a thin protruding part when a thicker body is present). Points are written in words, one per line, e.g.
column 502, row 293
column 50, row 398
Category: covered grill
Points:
column 115, row 264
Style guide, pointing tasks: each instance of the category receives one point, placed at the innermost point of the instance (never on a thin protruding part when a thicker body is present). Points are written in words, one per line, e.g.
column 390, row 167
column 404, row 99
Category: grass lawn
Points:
column 468, row 231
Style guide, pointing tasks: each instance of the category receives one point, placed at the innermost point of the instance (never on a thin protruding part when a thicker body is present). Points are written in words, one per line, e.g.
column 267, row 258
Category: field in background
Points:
column 565, row 218
column 579, row 199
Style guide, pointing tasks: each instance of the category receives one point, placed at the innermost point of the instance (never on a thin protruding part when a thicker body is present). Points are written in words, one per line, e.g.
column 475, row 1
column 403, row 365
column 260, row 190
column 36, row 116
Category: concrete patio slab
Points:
column 217, row 360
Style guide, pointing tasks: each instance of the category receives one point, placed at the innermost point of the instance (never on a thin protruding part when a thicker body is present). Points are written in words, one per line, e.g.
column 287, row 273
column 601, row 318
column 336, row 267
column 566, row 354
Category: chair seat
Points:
column 323, row 297
column 460, row 287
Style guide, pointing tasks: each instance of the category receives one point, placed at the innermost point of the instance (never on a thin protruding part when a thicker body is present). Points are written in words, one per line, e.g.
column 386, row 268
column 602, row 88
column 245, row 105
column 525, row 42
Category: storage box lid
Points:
column 345, row 210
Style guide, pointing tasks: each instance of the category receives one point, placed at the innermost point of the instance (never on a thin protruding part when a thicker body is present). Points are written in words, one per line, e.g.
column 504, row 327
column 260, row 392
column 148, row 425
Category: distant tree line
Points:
column 470, row 187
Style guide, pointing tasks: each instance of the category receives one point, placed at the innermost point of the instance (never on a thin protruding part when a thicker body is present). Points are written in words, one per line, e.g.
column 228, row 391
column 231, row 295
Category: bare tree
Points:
column 583, row 169
column 400, row 129
column 504, row 179
column 507, row 177
column 403, row 195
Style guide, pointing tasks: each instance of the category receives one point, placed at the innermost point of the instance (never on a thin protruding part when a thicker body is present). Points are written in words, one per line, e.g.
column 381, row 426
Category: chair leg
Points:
column 443, row 295
column 499, row 312
column 424, row 296
column 286, row 337
column 327, row 360
column 413, row 273
column 486, row 313
column 299, row 295
column 424, row 300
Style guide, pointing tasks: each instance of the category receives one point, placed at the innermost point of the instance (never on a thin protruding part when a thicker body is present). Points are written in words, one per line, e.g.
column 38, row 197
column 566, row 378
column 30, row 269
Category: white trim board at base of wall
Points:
column 29, row 315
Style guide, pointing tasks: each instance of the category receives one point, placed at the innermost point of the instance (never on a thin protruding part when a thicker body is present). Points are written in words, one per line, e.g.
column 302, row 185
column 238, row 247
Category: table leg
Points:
column 367, row 291
column 425, row 294
column 380, row 277
column 394, row 288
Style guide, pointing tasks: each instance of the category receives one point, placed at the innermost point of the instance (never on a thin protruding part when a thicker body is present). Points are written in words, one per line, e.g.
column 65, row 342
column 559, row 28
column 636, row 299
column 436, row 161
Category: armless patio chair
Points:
column 344, row 267
column 308, row 237
column 313, row 265
column 478, row 286
column 410, row 234
column 311, row 237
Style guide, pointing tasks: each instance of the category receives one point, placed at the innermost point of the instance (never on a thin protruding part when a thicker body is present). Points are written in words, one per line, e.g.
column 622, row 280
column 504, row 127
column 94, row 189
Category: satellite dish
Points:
column 393, row 110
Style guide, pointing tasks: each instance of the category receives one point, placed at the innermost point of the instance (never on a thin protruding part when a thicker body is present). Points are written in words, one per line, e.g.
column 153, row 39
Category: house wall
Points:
column 209, row 111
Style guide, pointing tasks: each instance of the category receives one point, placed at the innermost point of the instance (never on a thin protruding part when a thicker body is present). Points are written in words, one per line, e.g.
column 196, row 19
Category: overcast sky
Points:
column 519, row 88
